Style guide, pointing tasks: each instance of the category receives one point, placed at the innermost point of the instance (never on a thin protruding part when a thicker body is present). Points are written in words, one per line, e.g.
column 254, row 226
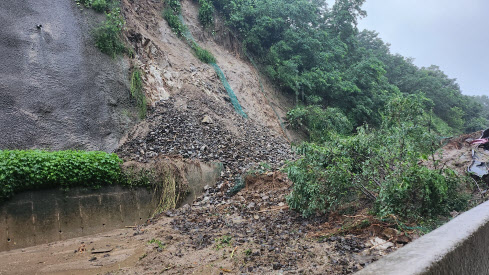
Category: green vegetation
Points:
column 371, row 116
column 157, row 242
column 171, row 14
column 380, row 167
column 174, row 5
column 206, row 12
column 138, row 94
column 222, row 242
column 108, row 34
column 311, row 49
column 99, row 5
column 174, row 22
column 165, row 179
column 319, row 123
column 34, row 169
column 203, row 55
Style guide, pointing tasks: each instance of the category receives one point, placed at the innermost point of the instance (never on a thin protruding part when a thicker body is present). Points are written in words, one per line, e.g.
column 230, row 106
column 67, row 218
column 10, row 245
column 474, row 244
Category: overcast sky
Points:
column 453, row 34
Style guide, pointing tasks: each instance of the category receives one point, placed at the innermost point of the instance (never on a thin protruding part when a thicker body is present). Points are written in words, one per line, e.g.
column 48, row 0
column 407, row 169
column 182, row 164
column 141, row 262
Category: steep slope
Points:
column 172, row 70
column 57, row 91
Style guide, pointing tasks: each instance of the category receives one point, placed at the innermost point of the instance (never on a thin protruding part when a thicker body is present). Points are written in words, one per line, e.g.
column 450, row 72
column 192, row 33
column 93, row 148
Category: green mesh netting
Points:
column 186, row 34
column 232, row 96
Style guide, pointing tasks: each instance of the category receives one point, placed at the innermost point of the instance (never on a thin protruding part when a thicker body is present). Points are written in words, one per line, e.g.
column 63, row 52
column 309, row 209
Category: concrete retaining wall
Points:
column 459, row 247
column 38, row 217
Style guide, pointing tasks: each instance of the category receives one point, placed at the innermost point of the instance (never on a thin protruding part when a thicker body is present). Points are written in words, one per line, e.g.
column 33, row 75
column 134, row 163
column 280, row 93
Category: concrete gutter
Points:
column 459, row 247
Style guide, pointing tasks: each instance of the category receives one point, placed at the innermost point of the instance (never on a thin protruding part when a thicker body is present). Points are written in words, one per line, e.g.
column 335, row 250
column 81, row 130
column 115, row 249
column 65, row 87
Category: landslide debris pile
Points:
column 252, row 232
column 192, row 134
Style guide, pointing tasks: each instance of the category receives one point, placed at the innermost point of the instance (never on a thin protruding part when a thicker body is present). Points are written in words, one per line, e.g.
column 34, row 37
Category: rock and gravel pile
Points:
column 195, row 135
column 253, row 232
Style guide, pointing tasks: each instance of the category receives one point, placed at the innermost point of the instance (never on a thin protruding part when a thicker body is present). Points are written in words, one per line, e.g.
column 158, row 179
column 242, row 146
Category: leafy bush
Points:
column 421, row 192
column 380, row 166
column 174, row 5
column 174, row 22
column 203, row 55
column 34, row 169
column 99, row 5
column 107, row 35
column 138, row 94
column 206, row 12
column 319, row 123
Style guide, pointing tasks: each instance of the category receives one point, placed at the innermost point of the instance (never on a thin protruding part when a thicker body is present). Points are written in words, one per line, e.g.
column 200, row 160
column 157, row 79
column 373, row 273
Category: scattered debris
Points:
column 100, row 251
column 181, row 132
column 480, row 156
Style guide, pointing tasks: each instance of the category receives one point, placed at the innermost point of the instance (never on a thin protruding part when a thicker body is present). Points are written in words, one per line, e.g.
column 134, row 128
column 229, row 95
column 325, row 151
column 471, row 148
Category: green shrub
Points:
column 174, row 5
column 378, row 166
column 99, row 5
column 421, row 192
column 138, row 94
column 206, row 12
column 174, row 22
column 107, row 35
column 203, row 55
column 319, row 123
column 34, row 169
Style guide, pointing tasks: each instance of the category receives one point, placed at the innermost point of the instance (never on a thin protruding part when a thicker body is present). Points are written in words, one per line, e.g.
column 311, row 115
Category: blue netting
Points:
column 232, row 96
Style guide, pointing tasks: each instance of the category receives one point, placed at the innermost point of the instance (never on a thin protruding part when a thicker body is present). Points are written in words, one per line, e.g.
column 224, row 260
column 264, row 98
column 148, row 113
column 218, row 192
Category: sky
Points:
column 452, row 34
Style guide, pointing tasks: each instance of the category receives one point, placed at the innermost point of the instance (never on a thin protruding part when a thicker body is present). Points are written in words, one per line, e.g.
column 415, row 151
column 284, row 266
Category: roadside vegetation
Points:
column 378, row 167
column 371, row 116
column 35, row 169
column 206, row 13
column 28, row 170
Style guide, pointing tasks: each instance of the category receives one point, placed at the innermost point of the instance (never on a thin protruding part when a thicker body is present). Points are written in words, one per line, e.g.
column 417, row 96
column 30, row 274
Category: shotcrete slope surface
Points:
column 57, row 91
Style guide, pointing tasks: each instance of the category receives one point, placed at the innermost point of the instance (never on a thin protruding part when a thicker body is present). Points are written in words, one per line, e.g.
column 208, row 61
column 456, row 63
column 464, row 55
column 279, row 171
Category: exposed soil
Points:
column 253, row 232
column 171, row 69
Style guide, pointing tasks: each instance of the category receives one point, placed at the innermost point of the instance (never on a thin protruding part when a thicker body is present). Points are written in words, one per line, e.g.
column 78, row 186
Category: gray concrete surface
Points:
column 39, row 217
column 44, row 216
column 57, row 91
column 460, row 247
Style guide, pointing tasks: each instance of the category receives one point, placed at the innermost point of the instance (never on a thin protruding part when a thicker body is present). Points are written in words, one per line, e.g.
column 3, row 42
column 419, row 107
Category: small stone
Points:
column 276, row 266
column 207, row 120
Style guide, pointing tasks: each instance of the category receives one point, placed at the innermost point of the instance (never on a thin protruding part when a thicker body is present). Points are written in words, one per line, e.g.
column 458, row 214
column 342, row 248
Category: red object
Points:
column 480, row 141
